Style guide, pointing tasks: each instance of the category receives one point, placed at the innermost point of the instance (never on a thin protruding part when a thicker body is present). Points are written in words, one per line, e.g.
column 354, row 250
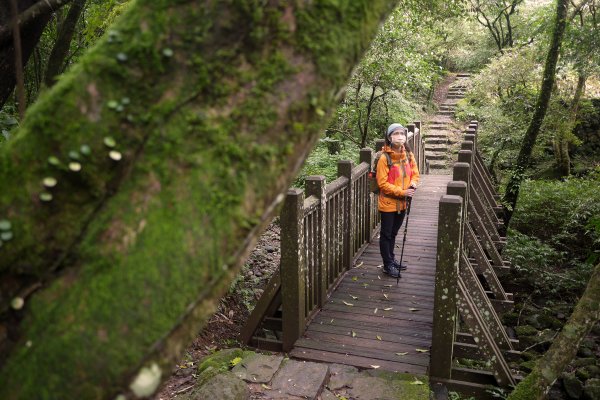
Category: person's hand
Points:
column 410, row 192
column 412, row 186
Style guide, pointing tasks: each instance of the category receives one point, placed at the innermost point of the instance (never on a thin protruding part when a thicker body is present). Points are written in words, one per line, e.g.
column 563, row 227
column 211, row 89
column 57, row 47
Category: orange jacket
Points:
column 394, row 182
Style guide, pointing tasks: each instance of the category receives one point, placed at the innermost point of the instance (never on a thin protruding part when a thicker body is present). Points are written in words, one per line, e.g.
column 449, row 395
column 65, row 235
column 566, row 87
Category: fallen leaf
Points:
column 386, row 296
column 360, row 265
column 413, row 309
column 402, row 354
column 422, row 350
column 378, row 277
column 355, row 278
column 365, row 284
column 348, row 304
column 416, row 382
column 375, row 311
column 387, row 285
column 353, row 334
column 378, row 337
column 375, row 366
column 235, row 361
column 380, row 266
column 264, row 386
column 387, row 309
column 354, row 297
column 331, row 322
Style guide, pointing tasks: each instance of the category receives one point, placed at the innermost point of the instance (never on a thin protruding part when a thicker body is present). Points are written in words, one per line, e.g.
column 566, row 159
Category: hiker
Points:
column 396, row 185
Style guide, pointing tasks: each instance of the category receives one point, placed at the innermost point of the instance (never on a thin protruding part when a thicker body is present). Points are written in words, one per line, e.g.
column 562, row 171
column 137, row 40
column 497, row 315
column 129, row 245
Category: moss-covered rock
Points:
column 525, row 330
column 582, row 362
column 222, row 386
column 527, row 366
column 222, row 360
column 573, row 386
column 591, row 391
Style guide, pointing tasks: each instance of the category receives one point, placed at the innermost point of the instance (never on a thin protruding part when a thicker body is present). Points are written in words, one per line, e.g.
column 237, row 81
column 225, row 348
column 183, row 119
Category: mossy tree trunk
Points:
column 548, row 368
column 212, row 108
column 512, row 188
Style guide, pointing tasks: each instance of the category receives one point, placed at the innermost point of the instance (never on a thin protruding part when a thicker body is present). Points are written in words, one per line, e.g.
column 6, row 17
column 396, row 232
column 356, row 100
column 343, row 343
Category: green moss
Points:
column 526, row 330
column 221, row 360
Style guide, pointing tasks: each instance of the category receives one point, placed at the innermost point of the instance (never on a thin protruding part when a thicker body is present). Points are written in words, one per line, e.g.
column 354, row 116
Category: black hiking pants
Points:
column 390, row 225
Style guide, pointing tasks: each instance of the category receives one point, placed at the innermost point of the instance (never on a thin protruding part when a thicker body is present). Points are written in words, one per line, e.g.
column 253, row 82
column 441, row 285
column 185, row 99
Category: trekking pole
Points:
column 404, row 239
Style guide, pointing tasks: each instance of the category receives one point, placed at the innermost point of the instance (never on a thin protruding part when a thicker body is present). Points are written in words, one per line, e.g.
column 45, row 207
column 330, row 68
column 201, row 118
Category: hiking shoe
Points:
column 400, row 267
column 392, row 271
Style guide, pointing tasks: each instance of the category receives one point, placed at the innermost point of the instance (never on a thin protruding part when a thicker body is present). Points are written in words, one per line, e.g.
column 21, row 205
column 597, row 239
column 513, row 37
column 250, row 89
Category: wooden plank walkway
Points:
column 386, row 324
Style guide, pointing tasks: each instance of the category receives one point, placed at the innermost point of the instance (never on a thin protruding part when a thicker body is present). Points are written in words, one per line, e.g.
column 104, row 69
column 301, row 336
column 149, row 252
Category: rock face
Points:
column 225, row 386
column 258, row 368
column 300, row 379
column 274, row 378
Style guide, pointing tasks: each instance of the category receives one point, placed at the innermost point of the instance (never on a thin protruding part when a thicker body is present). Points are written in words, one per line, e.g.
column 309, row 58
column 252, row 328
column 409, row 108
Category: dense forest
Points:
column 110, row 110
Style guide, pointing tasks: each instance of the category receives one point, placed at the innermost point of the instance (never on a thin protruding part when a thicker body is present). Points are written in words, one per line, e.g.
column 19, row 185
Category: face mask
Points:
column 398, row 140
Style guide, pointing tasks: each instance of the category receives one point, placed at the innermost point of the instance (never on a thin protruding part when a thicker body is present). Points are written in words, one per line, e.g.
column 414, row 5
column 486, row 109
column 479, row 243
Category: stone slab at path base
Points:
column 234, row 374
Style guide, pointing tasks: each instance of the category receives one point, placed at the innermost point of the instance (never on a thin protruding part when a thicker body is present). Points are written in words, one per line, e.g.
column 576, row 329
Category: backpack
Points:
column 373, row 174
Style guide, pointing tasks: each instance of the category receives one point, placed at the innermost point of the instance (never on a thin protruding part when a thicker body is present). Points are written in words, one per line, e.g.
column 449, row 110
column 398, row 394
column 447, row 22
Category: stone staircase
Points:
column 441, row 132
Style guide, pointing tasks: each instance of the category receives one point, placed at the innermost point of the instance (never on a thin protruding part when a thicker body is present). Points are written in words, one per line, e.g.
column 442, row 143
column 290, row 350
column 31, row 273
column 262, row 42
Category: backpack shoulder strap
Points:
column 389, row 159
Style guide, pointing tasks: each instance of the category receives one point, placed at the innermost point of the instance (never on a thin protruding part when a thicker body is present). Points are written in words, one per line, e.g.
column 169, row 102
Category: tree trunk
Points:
column 59, row 53
column 512, row 188
column 177, row 137
column 31, row 32
column 548, row 368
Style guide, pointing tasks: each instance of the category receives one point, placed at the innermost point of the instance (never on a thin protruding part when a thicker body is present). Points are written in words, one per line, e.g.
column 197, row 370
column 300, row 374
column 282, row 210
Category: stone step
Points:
column 430, row 140
column 429, row 155
column 449, row 113
column 437, row 134
column 456, row 97
column 437, row 164
column 436, row 147
column 463, row 75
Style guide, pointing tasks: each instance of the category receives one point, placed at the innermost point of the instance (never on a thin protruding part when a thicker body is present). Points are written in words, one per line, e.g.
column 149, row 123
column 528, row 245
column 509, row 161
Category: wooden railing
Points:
column 323, row 230
column 468, row 295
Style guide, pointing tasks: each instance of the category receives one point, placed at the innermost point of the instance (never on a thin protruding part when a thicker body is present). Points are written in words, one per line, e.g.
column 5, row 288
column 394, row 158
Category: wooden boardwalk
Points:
column 368, row 320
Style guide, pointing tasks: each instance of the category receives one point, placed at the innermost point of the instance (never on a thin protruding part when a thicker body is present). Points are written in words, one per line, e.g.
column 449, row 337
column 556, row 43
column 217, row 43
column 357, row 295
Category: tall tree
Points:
column 33, row 18
column 512, row 189
column 496, row 17
column 60, row 50
column 564, row 348
column 136, row 186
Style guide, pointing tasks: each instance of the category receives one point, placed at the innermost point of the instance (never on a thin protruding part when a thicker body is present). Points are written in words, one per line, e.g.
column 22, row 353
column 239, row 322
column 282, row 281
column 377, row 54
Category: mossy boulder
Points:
column 573, row 386
column 223, row 386
column 527, row 366
column 591, row 391
column 510, row 319
column 221, row 360
column 525, row 330
column 549, row 322
column 582, row 362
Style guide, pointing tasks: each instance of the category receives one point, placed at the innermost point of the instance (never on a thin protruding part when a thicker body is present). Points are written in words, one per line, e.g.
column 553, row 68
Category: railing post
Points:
column 345, row 170
column 366, row 156
column 446, row 278
column 293, row 268
column 315, row 186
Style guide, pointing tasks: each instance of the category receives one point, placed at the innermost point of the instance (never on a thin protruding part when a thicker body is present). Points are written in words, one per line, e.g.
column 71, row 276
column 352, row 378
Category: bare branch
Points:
column 42, row 7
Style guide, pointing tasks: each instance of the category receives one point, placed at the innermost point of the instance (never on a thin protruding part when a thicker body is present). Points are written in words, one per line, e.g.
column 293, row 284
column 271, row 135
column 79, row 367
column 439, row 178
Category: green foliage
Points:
column 555, row 237
column 557, row 213
column 396, row 76
column 320, row 162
